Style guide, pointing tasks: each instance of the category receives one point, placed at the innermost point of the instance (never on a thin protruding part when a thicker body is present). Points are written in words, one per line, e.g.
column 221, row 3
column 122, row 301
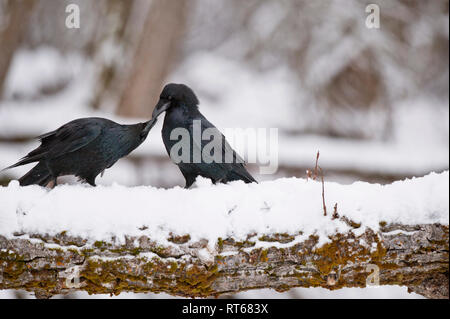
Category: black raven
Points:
column 218, row 161
column 84, row 147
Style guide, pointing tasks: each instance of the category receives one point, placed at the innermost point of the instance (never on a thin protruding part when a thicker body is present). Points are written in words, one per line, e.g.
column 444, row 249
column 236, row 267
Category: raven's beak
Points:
column 161, row 107
column 148, row 126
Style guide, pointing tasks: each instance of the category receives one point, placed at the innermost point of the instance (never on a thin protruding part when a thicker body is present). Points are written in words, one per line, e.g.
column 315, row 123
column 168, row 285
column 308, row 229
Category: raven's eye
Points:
column 170, row 97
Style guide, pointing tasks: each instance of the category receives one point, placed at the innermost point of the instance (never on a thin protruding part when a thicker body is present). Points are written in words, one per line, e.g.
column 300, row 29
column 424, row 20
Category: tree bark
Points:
column 157, row 49
column 18, row 13
column 415, row 256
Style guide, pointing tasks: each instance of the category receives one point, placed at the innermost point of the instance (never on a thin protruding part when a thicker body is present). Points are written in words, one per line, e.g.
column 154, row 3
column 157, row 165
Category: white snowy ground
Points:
column 209, row 211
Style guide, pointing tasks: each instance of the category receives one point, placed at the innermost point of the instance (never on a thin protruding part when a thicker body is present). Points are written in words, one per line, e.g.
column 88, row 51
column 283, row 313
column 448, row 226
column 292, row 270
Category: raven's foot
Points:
column 52, row 183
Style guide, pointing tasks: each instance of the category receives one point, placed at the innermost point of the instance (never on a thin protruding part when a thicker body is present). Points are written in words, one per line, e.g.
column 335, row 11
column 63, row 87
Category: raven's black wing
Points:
column 71, row 137
column 228, row 161
column 66, row 139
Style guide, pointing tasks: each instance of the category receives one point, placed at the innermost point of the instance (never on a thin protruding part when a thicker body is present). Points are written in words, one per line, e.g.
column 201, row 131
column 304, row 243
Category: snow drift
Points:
column 287, row 205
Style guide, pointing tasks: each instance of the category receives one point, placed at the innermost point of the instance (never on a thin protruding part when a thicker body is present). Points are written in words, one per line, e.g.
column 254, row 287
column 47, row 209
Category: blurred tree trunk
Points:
column 156, row 52
column 11, row 34
column 111, row 67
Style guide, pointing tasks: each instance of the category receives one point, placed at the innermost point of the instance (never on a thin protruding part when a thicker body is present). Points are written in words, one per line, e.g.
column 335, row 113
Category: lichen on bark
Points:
column 415, row 256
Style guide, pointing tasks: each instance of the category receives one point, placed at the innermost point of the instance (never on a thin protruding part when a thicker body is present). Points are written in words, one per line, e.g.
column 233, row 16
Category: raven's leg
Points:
column 53, row 183
column 52, row 179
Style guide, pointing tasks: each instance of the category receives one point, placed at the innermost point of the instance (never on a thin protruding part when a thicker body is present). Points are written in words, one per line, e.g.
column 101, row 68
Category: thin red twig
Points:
column 323, row 192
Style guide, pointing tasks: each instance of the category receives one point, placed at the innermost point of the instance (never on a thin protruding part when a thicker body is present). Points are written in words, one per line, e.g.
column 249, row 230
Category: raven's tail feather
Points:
column 33, row 156
column 23, row 161
column 38, row 175
column 242, row 175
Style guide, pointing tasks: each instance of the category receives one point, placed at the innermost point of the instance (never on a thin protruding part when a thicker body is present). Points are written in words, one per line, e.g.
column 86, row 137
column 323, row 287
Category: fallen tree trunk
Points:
column 415, row 256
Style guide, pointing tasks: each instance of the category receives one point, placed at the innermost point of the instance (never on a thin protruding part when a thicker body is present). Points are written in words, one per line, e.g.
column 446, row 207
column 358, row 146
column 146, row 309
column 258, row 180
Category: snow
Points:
column 32, row 71
column 373, row 156
column 207, row 211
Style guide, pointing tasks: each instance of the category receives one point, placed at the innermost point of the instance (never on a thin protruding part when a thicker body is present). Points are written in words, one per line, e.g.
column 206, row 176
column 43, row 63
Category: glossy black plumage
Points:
column 181, row 107
column 84, row 147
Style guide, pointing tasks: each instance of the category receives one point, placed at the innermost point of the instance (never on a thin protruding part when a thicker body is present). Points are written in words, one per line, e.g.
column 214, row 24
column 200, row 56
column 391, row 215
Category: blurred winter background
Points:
column 373, row 101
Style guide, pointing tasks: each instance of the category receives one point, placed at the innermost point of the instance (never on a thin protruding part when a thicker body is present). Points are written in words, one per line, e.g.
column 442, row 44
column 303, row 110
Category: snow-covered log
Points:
column 216, row 239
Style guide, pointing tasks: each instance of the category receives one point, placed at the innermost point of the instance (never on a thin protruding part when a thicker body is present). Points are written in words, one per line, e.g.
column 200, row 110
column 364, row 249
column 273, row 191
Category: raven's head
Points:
column 174, row 95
